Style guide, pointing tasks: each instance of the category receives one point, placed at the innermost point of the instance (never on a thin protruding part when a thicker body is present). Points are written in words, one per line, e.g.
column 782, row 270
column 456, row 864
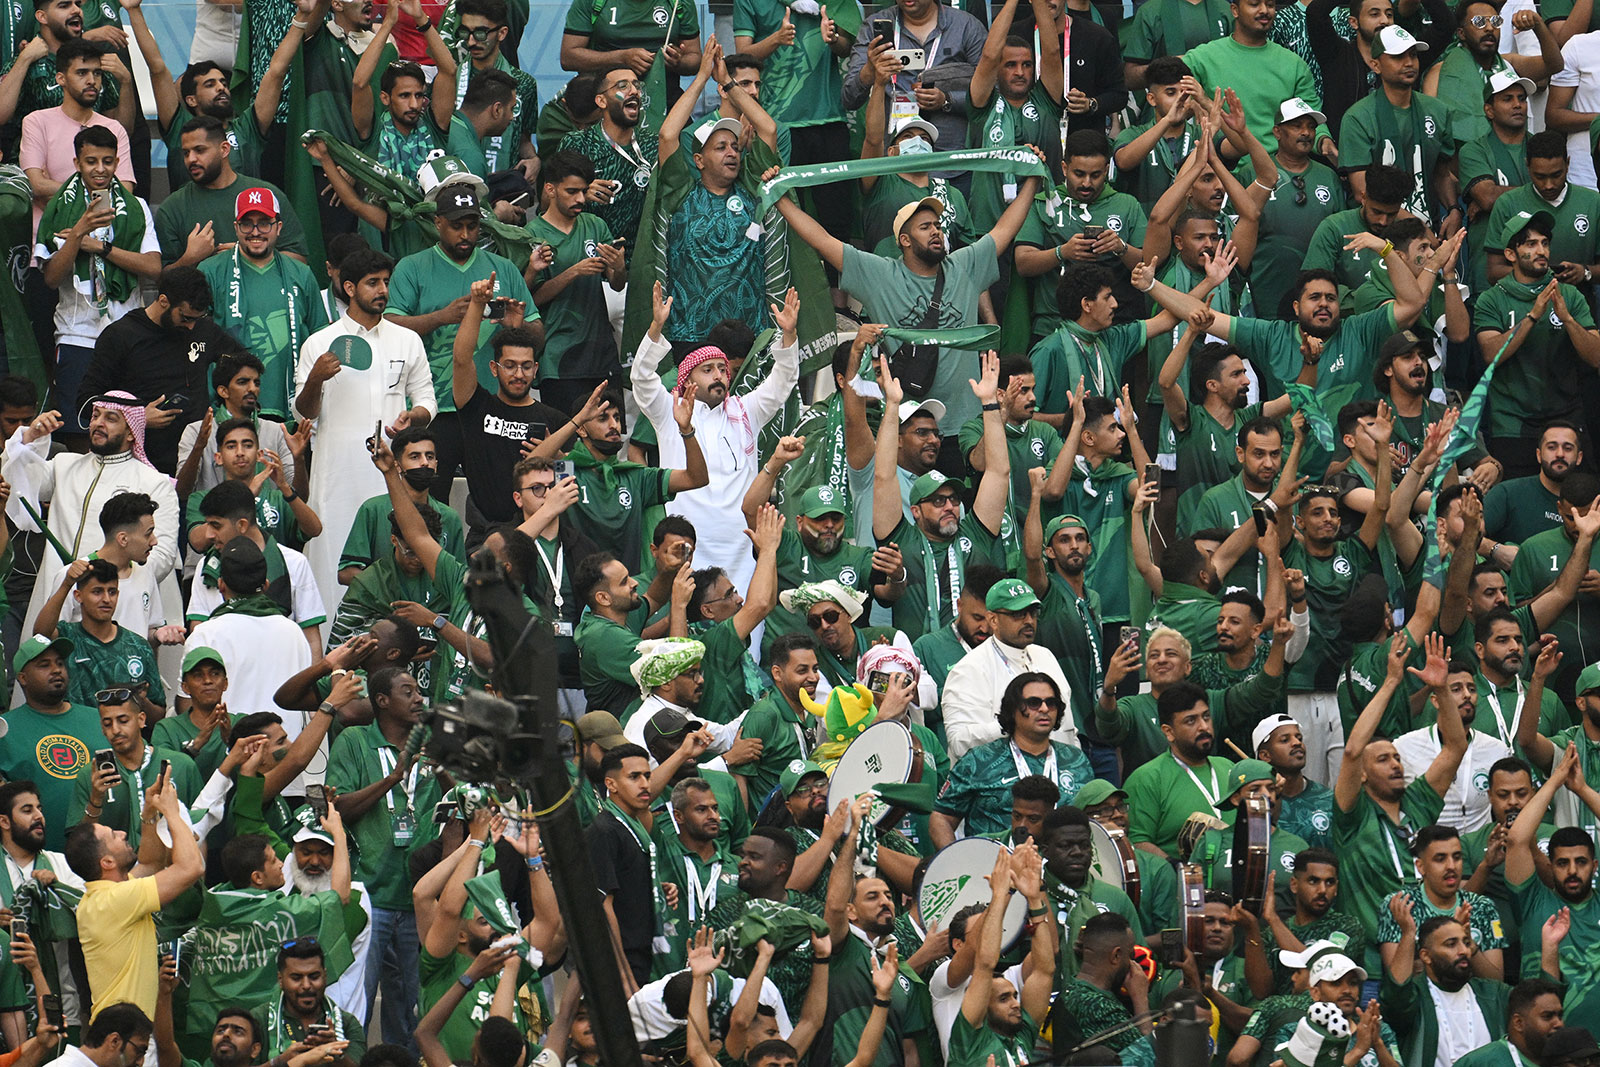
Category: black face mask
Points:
column 419, row 478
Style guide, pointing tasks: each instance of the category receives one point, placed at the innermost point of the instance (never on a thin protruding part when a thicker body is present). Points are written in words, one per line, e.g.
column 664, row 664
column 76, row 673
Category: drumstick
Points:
column 1229, row 742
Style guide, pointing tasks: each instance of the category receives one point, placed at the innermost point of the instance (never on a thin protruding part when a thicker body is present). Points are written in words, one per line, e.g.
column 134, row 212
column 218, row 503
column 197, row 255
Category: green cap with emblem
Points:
column 442, row 170
column 1521, row 221
column 1588, row 678
column 198, row 655
column 36, row 646
column 1011, row 594
column 821, row 500
column 793, row 774
column 1249, row 770
column 1096, row 791
column 931, row 483
column 1061, row 522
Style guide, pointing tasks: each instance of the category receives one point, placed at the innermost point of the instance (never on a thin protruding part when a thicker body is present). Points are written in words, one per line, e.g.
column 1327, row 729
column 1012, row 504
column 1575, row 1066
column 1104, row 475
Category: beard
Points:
column 928, row 257
column 823, row 544
column 296, row 880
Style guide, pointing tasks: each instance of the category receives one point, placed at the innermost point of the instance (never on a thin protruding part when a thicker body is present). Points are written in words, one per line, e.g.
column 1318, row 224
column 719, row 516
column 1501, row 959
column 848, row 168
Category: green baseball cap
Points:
column 795, row 773
column 1249, row 770
column 1060, row 522
column 198, row 655
column 1588, row 678
column 821, row 500
column 931, row 483
column 1096, row 791
column 36, row 646
column 1521, row 221
column 1012, row 594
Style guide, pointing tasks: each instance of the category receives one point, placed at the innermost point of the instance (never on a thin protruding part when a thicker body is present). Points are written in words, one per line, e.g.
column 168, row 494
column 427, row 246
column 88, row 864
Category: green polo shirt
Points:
column 929, row 602
column 1294, row 210
column 360, row 756
column 1163, row 793
column 1374, row 851
column 1540, row 381
column 1048, row 227
column 606, row 650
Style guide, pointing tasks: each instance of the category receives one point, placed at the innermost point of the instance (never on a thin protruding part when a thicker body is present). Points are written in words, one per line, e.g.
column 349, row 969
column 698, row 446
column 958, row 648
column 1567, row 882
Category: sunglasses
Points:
column 1493, row 22
column 119, row 695
column 1035, row 703
column 823, row 618
column 1299, row 182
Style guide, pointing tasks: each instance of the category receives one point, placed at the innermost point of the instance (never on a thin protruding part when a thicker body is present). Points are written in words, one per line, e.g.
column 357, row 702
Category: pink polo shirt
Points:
column 47, row 146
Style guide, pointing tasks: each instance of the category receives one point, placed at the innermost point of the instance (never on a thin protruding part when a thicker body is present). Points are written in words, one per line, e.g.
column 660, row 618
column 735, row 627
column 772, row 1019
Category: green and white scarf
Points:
column 96, row 277
column 647, row 845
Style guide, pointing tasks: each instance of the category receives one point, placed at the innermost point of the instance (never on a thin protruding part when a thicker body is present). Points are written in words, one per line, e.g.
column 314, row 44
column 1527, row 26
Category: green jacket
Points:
column 1409, row 1009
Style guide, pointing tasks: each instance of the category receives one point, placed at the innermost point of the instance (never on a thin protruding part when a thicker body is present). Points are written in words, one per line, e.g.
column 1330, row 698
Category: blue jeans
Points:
column 394, row 955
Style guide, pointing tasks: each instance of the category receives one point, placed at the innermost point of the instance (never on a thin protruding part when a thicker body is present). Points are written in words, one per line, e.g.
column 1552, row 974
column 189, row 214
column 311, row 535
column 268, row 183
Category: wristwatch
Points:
column 440, row 622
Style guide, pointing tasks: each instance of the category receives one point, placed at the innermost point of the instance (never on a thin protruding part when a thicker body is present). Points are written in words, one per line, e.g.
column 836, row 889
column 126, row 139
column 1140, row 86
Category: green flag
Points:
column 16, row 237
column 1303, row 398
column 785, row 927
column 409, row 212
column 236, row 943
column 1462, row 439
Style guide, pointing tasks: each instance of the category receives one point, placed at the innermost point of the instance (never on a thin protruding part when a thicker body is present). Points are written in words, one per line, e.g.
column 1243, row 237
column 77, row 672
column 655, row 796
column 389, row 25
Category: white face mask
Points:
column 915, row 146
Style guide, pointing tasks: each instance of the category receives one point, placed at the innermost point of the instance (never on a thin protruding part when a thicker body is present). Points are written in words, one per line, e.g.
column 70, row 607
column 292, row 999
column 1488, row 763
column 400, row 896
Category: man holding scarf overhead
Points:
column 94, row 249
column 77, row 486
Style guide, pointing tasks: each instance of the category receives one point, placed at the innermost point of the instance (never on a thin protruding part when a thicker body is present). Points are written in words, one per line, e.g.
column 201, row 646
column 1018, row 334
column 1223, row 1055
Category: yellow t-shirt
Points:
column 118, row 933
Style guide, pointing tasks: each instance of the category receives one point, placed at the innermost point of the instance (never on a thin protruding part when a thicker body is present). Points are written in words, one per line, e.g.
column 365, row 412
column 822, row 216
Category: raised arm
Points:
column 989, row 504
column 886, row 507
column 1524, row 831
column 463, row 370
column 677, row 119
column 412, row 529
column 1452, row 731
column 1540, row 752
column 981, row 89
column 693, row 474
column 161, row 81
column 763, row 592
column 808, row 229
column 975, row 1001
column 361, row 82
column 1348, row 785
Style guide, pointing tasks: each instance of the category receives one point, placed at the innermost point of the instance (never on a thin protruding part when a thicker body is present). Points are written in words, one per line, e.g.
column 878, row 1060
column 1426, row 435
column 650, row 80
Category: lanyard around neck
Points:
column 1492, row 695
column 387, row 761
column 554, row 572
column 1215, row 794
column 1023, row 770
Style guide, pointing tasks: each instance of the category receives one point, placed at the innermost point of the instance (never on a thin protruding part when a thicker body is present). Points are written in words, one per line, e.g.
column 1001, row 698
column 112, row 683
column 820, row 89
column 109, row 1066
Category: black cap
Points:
column 457, row 203
column 242, row 566
column 1398, row 343
column 667, row 727
column 1567, row 1043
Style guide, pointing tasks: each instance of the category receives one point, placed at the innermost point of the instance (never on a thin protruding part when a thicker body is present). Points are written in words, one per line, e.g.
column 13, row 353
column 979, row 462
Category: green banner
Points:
column 1022, row 162
column 965, row 338
column 1303, row 398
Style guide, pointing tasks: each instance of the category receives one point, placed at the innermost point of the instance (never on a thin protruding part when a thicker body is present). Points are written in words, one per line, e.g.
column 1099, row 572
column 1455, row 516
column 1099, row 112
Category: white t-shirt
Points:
column 947, row 999
column 1461, row 1024
column 77, row 320
column 1466, row 802
column 139, row 607
column 1582, row 58
column 308, row 606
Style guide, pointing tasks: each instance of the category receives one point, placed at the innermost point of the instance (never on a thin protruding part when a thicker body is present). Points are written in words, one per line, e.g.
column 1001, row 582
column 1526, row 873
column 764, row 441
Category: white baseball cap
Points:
column 1294, row 108
column 1333, row 966
column 731, row 125
column 1296, row 960
column 1501, row 80
column 1267, row 727
column 1395, row 41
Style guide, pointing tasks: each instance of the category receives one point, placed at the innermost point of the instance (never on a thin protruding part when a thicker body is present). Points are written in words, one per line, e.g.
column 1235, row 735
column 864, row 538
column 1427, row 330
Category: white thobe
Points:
column 973, row 689
column 1466, row 802
column 353, row 403
column 261, row 653
column 729, row 446
column 77, row 486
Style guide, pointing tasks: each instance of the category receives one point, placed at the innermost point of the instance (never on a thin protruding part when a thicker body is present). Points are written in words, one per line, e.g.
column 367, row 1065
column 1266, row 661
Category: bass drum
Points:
column 957, row 879
column 1114, row 862
column 884, row 753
